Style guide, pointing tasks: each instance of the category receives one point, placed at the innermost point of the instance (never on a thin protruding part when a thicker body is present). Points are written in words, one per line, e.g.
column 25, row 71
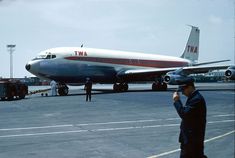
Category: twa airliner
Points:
column 72, row 65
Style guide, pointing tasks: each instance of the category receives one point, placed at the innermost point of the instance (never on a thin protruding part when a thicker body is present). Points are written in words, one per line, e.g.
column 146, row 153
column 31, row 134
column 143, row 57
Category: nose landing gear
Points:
column 63, row 89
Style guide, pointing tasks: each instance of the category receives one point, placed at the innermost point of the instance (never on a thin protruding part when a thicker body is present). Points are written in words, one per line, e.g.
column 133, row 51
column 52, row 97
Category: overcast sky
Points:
column 149, row 26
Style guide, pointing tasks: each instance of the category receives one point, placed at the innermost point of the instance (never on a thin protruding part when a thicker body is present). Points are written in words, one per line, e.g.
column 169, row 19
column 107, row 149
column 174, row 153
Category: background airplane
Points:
column 72, row 65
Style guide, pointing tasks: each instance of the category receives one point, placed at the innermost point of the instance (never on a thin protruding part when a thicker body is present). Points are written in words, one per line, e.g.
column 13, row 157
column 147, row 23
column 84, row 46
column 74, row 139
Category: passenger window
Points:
column 53, row 56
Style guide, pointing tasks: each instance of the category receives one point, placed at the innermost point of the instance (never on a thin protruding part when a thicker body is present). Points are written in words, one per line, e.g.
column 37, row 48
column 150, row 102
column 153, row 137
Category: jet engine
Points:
column 230, row 73
column 177, row 77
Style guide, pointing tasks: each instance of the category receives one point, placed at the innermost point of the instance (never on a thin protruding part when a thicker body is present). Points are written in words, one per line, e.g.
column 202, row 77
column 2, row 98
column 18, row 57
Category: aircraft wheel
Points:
column 164, row 86
column 125, row 87
column 122, row 87
column 154, row 86
column 66, row 90
column 159, row 86
column 63, row 90
column 116, row 87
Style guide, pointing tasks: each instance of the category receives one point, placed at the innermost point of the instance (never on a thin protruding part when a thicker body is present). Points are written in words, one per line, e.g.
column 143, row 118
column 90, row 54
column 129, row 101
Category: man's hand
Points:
column 176, row 96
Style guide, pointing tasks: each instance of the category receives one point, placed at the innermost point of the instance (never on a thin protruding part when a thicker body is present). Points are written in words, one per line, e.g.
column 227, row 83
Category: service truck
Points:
column 12, row 89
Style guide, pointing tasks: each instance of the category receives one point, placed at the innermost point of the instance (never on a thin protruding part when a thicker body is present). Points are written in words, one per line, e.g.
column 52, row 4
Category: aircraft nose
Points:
column 33, row 66
column 27, row 67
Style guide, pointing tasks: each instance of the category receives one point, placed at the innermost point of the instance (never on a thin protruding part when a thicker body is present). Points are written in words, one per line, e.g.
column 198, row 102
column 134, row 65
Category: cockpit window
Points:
column 48, row 57
column 45, row 56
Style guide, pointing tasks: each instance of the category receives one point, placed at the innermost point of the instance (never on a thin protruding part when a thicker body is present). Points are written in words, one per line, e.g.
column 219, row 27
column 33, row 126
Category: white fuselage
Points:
column 75, row 64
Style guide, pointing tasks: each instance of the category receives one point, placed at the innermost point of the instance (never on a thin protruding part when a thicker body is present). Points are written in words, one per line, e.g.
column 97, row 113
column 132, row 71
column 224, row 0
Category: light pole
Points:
column 10, row 48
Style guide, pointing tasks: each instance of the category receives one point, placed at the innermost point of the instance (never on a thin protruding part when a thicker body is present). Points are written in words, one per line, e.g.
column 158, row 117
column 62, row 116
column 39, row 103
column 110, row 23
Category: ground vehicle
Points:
column 10, row 89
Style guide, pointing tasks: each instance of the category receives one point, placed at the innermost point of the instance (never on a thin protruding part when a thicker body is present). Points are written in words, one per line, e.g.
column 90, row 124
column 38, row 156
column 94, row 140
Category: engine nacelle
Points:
column 230, row 73
column 177, row 79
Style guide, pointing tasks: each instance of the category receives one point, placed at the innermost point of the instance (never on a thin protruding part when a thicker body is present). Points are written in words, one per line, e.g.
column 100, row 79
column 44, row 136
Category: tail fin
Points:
column 191, row 50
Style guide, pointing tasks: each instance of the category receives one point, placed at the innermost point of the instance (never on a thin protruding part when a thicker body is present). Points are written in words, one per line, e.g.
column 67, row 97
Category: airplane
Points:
column 73, row 65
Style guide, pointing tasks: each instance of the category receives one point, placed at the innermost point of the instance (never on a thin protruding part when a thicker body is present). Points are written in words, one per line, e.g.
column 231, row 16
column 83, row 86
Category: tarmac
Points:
column 135, row 124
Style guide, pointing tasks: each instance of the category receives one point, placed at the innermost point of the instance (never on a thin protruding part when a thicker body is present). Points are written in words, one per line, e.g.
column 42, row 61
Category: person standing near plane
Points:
column 193, row 124
column 53, row 85
column 88, row 88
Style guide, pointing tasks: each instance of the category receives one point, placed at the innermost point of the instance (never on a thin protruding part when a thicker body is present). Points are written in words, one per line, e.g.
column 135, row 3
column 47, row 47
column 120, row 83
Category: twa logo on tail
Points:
column 191, row 49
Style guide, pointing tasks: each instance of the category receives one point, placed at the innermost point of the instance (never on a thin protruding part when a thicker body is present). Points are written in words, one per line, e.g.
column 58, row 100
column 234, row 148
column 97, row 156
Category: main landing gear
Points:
column 63, row 89
column 159, row 86
column 120, row 87
column 156, row 86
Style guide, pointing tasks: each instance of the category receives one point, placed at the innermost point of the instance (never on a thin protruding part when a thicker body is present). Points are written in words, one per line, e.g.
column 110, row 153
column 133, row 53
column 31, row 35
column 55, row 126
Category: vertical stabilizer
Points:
column 191, row 51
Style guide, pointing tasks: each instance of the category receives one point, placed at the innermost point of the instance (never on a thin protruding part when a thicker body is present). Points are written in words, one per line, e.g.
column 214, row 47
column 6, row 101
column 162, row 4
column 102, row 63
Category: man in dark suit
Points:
column 193, row 124
column 88, row 88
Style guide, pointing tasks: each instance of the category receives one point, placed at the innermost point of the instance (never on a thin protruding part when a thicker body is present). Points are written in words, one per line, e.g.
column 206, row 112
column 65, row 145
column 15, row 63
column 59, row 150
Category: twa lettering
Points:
column 191, row 49
column 80, row 53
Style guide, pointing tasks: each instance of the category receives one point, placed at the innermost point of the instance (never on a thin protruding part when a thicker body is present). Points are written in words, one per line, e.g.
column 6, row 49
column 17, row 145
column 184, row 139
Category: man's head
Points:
column 187, row 88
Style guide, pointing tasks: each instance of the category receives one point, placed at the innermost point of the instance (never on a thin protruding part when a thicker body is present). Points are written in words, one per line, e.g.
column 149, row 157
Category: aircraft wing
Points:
column 202, row 69
column 158, row 72
column 145, row 72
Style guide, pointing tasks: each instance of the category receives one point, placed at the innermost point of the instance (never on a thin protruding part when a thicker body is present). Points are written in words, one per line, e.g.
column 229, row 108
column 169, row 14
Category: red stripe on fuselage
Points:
column 131, row 62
